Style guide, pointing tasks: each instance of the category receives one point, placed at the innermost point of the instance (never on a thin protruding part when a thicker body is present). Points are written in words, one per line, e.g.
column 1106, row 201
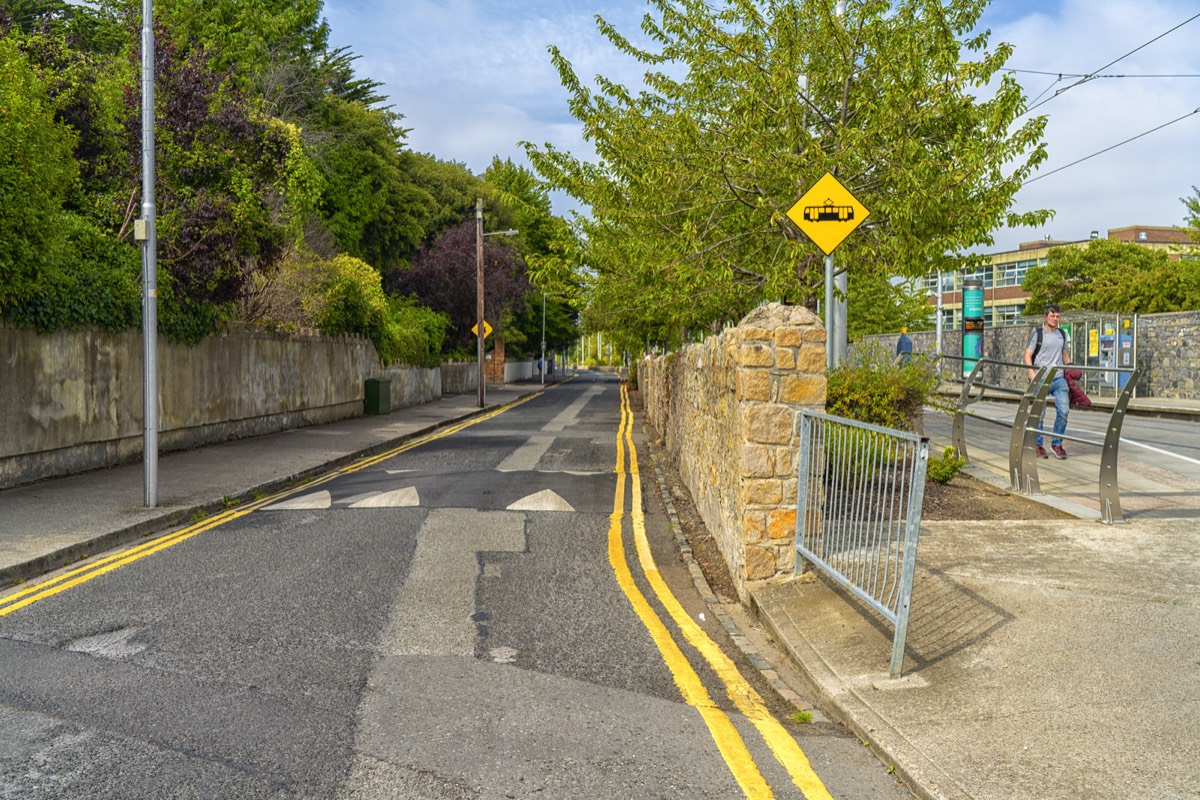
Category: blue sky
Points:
column 473, row 78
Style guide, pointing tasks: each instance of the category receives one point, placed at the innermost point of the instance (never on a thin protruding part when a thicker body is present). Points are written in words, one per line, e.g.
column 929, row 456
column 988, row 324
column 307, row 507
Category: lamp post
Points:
column 479, row 331
column 543, row 338
column 145, row 231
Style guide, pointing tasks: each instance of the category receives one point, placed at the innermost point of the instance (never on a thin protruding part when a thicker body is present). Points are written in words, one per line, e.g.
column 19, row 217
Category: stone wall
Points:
column 72, row 400
column 460, row 377
column 727, row 412
column 1167, row 352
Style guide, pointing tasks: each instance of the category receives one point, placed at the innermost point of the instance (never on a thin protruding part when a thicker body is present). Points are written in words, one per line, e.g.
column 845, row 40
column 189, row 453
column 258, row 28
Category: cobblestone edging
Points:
column 714, row 604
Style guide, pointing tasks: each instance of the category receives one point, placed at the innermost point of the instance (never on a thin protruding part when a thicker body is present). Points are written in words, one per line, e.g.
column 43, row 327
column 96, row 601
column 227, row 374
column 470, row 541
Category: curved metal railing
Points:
column 1022, row 448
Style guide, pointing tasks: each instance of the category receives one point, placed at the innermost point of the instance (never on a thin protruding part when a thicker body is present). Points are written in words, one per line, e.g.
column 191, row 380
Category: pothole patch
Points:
column 110, row 644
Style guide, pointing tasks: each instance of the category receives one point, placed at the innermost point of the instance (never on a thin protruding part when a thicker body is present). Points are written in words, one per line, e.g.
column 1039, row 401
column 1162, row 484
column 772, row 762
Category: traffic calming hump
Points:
column 545, row 500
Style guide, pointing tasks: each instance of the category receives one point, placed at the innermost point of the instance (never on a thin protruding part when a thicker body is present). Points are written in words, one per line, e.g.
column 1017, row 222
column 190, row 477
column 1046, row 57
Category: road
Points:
column 497, row 610
column 1158, row 466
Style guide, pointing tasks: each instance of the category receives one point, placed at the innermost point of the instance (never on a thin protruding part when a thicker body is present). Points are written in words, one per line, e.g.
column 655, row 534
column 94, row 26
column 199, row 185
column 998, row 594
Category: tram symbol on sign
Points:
column 830, row 221
column 829, row 213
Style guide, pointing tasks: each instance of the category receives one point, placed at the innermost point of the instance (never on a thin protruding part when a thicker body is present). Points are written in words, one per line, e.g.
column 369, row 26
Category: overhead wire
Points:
column 1092, row 75
column 1113, row 147
column 1095, row 74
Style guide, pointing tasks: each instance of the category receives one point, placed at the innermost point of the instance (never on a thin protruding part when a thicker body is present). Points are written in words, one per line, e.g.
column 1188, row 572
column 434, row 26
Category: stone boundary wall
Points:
column 727, row 411
column 71, row 401
column 1169, row 351
column 460, row 377
column 1166, row 344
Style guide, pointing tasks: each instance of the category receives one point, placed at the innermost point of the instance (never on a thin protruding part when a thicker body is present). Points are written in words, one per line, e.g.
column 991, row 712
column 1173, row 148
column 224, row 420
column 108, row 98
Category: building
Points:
column 1003, row 297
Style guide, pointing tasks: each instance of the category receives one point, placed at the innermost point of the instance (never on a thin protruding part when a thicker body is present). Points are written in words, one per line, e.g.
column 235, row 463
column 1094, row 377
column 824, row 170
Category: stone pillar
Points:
column 493, row 368
column 780, row 372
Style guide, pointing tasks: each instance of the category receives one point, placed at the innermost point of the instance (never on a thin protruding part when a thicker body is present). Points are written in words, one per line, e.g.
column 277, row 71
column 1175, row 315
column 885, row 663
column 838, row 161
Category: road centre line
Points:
column 726, row 737
column 787, row 752
column 75, row 577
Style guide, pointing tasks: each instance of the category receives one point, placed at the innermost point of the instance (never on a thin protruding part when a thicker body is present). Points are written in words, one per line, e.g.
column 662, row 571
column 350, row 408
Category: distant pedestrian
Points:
column 1049, row 346
column 904, row 347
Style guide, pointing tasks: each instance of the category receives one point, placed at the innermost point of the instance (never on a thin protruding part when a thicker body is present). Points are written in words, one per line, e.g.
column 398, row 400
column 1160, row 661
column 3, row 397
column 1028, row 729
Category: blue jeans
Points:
column 1062, row 404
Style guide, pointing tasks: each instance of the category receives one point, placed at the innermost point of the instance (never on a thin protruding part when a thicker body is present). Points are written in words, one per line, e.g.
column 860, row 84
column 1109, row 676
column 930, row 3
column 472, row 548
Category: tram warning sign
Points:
column 828, row 213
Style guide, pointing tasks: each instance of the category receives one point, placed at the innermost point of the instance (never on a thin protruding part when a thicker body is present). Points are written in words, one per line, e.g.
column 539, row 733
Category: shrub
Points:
column 92, row 281
column 873, row 388
column 943, row 470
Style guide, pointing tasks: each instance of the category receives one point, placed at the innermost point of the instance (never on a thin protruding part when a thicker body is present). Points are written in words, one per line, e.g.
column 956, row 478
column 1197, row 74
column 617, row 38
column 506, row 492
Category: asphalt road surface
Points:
column 495, row 611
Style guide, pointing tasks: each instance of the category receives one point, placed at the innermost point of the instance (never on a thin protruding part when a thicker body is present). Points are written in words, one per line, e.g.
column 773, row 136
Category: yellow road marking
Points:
column 729, row 742
column 75, row 577
column 747, row 700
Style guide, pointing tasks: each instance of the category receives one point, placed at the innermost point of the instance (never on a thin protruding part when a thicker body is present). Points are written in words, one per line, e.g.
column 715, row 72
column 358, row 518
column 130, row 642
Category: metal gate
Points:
column 858, row 512
column 1105, row 341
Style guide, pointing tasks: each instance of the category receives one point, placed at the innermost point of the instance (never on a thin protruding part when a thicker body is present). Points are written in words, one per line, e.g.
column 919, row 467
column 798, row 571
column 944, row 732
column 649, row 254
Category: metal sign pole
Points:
column 830, row 319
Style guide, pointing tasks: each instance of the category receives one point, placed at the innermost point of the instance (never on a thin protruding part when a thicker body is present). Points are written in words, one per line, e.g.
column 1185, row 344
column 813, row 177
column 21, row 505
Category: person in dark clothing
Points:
column 904, row 347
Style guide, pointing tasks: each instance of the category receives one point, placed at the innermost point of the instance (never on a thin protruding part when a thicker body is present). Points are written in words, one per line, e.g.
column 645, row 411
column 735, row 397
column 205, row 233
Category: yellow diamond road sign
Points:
column 487, row 329
column 827, row 213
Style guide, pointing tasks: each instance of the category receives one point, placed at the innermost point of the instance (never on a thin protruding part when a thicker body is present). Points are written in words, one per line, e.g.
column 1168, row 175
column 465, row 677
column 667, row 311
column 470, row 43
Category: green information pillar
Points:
column 972, row 343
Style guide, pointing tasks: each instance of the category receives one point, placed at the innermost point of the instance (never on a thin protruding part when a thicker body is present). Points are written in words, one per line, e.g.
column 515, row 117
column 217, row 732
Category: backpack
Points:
column 1038, row 338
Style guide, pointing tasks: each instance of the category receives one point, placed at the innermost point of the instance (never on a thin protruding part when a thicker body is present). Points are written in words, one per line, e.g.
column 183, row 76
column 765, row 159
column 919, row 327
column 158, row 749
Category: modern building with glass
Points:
column 1003, row 297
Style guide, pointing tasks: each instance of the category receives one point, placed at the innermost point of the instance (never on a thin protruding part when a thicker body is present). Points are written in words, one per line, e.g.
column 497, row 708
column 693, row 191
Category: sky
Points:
column 472, row 79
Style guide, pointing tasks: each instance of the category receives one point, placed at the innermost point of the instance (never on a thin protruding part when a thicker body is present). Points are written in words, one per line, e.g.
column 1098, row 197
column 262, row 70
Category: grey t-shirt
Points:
column 1053, row 343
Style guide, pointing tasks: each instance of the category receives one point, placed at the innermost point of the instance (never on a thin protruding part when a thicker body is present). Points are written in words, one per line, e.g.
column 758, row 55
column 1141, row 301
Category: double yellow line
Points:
column 729, row 742
column 102, row 566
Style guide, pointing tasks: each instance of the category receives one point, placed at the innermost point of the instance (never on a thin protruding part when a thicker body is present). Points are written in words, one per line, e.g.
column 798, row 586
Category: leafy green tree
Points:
column 879, row 303
column 241, row 38
column 1192, row 223
column 1114, row 276
column 38, row 174
column 454, row 190
column 376, row 209
column 746, row 105
column 550, row 251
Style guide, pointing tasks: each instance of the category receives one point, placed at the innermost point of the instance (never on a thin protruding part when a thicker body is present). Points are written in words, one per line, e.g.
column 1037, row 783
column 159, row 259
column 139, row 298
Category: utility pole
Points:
column 479, row 297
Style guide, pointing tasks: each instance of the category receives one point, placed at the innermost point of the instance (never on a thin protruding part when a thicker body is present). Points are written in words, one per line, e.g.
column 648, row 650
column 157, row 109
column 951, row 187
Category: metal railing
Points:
column 1022, row 447
column 858, row 512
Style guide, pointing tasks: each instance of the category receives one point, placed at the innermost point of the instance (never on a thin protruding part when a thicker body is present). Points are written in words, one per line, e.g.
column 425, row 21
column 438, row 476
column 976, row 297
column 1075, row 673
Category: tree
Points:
column 879, row 303
column 1192, row 223
column 747, row 105
column 1113, row 276
column 443, row 278
column 374, row 206
column 38, row 174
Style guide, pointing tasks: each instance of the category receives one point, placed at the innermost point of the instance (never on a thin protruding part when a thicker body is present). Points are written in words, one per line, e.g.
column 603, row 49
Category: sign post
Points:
column 828, row 213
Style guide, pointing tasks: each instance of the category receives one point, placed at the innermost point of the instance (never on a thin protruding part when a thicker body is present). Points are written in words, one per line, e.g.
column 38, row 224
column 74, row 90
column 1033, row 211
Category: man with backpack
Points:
column 1049, row 345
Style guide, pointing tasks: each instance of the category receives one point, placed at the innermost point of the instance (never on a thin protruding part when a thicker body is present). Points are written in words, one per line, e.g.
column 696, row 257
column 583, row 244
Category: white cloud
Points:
column 473, row 78
column 1139, row 183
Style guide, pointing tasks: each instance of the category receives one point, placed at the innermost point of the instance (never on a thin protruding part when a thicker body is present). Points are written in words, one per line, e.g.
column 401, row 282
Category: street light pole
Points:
column 479, row 296
column 543, row 338
column 149, row 269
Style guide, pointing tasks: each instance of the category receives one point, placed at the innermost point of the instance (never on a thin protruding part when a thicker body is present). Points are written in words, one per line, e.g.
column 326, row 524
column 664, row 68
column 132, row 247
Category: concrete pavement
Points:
column 1045, row 659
